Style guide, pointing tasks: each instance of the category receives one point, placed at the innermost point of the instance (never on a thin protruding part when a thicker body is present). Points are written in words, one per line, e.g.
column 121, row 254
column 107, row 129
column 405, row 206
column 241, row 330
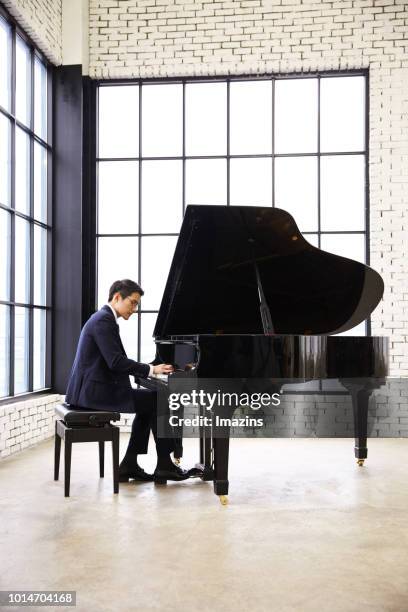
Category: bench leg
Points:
column 57, row 453
column 115, row 459
column 101, row 459
column 67, row 455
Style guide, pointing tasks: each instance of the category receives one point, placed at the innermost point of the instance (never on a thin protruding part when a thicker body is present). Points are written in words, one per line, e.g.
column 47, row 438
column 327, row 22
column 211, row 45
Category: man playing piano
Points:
column 99, row 380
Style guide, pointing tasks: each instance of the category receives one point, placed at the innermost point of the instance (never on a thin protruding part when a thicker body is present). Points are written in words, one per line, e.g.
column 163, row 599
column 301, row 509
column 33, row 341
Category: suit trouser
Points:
column 145, row 404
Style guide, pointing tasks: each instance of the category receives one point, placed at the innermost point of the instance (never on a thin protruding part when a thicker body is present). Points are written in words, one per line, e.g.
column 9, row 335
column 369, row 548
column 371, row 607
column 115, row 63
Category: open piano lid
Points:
column 212, row 284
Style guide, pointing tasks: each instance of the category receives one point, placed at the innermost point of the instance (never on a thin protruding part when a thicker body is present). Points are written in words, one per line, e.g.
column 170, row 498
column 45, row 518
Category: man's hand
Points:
column 162, row 368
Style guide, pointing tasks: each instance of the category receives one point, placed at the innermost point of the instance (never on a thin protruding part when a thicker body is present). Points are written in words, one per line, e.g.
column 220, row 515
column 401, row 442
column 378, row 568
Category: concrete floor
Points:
column 306, row 530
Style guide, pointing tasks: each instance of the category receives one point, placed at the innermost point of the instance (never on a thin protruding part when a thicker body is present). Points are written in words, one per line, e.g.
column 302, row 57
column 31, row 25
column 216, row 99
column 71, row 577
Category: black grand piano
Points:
column 248, row 297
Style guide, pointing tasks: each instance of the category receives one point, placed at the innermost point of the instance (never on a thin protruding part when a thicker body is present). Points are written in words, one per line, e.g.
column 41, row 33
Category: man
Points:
column 99, row 380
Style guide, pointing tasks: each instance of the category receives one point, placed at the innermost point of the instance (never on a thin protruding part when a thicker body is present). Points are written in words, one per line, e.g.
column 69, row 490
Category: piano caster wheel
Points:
column 176, row 461
column 224, row 500
column 360, row 462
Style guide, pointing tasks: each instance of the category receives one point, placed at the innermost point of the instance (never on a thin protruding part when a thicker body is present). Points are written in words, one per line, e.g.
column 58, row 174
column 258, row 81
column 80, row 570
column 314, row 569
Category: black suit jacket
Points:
column 99, row 378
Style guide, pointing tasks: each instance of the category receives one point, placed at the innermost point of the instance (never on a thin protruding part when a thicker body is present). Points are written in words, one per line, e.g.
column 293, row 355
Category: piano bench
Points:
column 79, row 425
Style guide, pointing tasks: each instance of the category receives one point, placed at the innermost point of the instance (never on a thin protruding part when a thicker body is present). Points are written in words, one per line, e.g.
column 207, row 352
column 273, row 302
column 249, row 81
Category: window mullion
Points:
column 31, row 246
column 12, row 215
column 228, row 142
column 12, row 308
column 273, row 143
column 183, row 187
column 140, row 203
column 367, row 183
column 319, row 229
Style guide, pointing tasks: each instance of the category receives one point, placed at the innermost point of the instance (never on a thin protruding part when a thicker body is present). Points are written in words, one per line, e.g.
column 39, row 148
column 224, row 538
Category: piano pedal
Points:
column 207, row 472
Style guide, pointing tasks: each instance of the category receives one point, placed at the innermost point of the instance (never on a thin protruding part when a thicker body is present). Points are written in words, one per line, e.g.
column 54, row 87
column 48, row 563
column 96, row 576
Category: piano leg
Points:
column 178, row 440
column 221, row 452
column 221, row 439
column 204, row 463
column 203, row 439
column 360, row 395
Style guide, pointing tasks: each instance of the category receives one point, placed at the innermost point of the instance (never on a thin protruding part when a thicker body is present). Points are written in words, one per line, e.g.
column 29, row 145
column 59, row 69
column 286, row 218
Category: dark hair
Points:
column 125, row 287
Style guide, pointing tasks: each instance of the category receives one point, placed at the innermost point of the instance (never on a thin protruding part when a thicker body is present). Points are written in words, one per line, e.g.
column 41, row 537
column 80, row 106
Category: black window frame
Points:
column 10, row 115
column 228, row 79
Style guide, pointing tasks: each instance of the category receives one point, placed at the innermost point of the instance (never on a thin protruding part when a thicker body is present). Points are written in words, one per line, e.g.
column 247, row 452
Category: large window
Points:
column 25, row 231
column 294, row 143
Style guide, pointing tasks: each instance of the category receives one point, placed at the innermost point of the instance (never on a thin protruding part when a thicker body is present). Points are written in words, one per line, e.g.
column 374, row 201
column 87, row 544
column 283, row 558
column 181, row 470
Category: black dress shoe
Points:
column 127, row 473
column 172, row 473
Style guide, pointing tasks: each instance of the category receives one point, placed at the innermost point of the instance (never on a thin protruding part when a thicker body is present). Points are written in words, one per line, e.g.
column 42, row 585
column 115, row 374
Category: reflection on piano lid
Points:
column 228, row 257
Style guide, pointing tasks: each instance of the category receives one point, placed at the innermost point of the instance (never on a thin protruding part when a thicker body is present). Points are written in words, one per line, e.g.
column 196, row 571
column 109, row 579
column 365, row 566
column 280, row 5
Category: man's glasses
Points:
column 135, row 303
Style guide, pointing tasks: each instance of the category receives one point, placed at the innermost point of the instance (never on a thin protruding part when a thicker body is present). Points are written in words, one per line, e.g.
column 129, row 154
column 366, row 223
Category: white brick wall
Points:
column 41, row 20
column 25, row 423
column 166, row 37
column 156, row 38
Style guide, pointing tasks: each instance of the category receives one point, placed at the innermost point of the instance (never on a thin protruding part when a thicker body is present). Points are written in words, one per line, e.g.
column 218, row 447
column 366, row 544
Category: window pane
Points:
column 22, row 258
column 40, row 99
column 40, row 182
column 206, row 119
column 40, row 266
column 5, row 161
column 4, row 255
column 148, row 347
column 206, row 181
column 296, row 189
column 162, row 196
column 22, row 171
column 119, row 121
column 23, row 82
column 296, row 116
column 351, row 246
column 342, row 192
column 162, row 116
column 5, row 64
column 21, row 352
column 4, row 350
column 129, row 334
column 157, row 255
column 251, row 118
column 118, row 197
column 342, row 114
column 39, row 337
column 117, row 259
column 312, row 239
column 251, row 182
